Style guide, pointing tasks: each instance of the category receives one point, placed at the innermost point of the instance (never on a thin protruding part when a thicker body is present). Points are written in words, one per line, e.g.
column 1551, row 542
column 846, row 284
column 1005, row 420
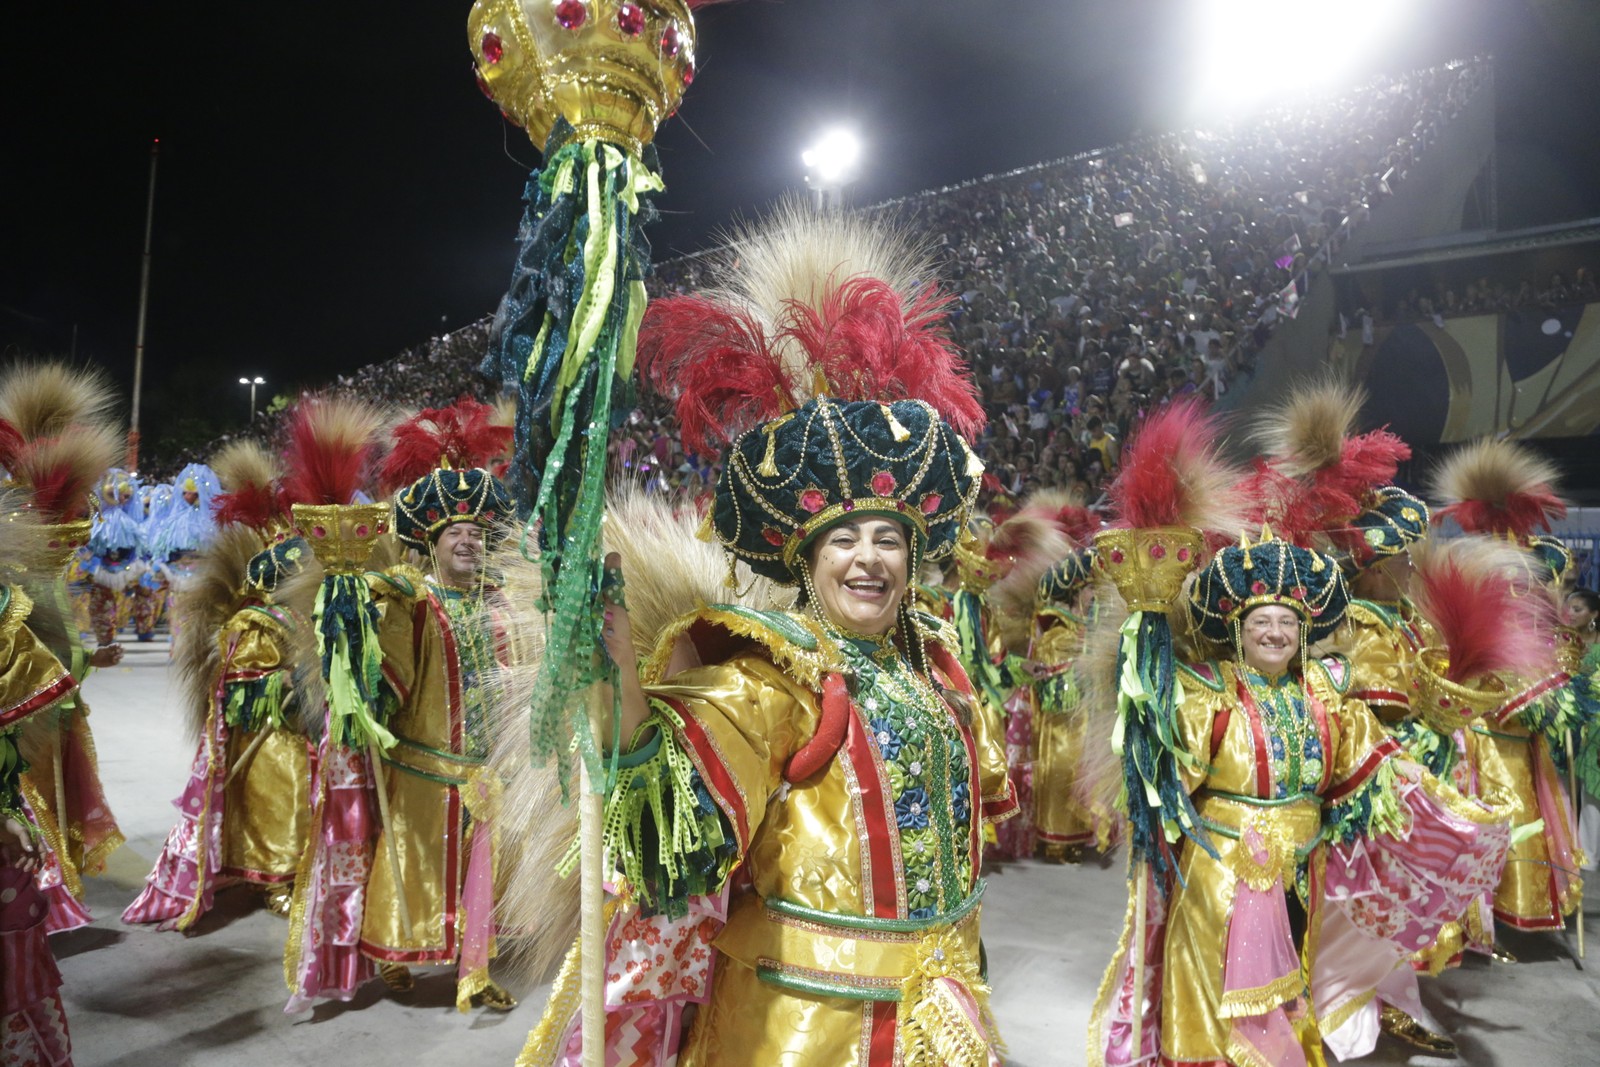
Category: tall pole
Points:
column 144, row 302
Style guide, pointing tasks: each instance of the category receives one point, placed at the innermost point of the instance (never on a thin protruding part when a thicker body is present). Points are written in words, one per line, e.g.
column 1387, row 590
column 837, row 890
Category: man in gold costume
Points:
column 61, row 440
column 427, row 884
column 1506, row 491
column 33, row 1024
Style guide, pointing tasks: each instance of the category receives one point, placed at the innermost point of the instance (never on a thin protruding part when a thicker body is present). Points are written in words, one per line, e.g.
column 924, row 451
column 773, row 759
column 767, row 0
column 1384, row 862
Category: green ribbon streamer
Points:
column 352, row 661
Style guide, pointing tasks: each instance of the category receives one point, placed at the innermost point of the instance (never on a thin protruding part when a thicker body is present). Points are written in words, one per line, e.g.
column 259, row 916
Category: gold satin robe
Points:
column 817, row 854
column 31, row 681
column 1244, row 769
column 267, row 807
column 438, row 752
column 1059, row 819
column 86, row 833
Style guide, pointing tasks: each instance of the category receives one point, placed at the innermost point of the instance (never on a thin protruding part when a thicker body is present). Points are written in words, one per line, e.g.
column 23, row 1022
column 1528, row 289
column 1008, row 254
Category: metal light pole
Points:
column 144, row 300
column 252, row 383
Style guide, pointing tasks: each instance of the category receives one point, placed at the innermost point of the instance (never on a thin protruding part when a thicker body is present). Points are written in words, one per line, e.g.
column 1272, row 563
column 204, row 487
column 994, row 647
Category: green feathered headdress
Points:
column 1393, row 521
column 1063, row 582
column 819, row 355
column 275, row 563
column 1246, row 576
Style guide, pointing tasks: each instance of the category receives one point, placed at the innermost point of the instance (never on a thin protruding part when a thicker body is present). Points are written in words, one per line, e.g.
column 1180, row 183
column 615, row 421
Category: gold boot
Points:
column 279, row 900
column 1397, row 1024
column 495, row 998
column 397, row 976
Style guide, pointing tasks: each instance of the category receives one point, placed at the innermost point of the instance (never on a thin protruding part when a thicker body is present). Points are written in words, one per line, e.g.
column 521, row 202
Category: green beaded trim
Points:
column 872, row 922
column 824, row 987
column 778, row 622
column 1214, row 683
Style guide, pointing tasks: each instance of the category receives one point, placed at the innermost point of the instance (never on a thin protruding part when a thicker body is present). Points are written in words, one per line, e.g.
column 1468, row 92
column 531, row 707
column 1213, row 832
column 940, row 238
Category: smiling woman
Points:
column 857, row 572
column 824, row 752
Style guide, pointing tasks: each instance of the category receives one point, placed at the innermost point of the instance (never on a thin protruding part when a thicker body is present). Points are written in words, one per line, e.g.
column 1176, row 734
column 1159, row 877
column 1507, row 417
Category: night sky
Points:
column 333, row 187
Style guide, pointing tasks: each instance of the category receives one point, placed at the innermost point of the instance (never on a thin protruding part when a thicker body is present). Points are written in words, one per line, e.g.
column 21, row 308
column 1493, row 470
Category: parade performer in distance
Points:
column 1023, row 548
column 1505, row 490
column 245, row 812
column 428, row 897
column 797, row 818
column 116, row 564
column 1256, row 789
column 64, row 439
column 1063, row 824
column 186, row 526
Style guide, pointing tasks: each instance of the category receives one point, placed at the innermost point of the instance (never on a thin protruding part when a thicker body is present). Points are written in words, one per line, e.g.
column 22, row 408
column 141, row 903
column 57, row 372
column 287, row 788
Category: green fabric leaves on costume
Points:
column 1145, row 736
column 256, row 703
column 661, row 827
column 11, row 767
column 346, row 618
column 1373, row 807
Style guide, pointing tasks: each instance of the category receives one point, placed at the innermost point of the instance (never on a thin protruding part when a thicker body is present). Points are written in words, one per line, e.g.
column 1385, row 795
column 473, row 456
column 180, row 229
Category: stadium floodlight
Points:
column 831, row 164
column 1252, row 53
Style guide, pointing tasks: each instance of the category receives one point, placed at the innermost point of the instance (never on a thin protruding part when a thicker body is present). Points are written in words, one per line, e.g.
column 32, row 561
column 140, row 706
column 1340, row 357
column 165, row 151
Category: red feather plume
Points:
column 463, row 435
column 330, row 452
column 253, row 505
column 716, row 364
column 60, row 473
column 1480, row 597
column 1078, row 523
column 1173, row 474
column 10, row 444
column 870, row 345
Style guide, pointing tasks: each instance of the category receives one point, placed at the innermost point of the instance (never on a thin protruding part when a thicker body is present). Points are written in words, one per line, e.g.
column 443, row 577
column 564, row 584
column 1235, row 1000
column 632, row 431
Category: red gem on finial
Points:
column 688, row 74
column 1158, row 551
column 571, row 14
column 630, row 20
column 483, row 84
column 491, row 47
column 671, row 42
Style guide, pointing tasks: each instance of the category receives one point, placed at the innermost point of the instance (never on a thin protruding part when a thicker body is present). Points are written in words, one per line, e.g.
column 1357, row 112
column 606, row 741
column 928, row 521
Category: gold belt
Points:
column 1273, row 836
column 852, row 956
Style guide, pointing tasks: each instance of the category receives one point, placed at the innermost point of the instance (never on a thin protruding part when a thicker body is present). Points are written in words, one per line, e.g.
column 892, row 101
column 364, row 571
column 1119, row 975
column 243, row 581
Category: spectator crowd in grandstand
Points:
column 1090, row 289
